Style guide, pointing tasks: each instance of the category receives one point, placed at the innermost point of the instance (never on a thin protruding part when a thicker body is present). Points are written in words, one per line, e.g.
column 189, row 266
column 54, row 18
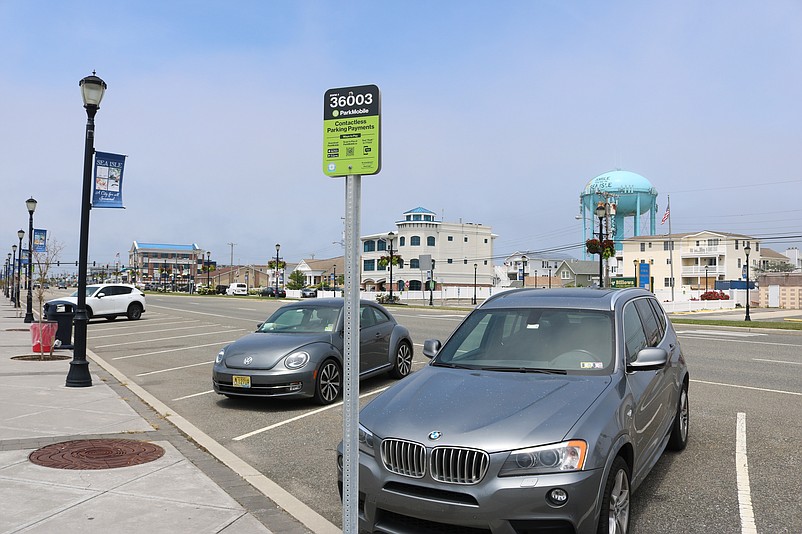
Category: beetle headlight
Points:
column 366, row 440
column 565, row 456
column 220, row 356
column 296, row 360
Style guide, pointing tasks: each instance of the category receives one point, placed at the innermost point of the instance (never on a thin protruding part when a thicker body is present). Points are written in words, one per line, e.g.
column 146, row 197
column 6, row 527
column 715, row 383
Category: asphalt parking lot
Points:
column 739, row 472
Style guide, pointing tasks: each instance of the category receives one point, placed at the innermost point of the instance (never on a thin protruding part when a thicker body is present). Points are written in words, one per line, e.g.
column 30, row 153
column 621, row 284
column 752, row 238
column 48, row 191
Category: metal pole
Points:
column 29, row 300
column 353, row 186
column 705, row 278
column 474, row 284
column 601, row 251
column 747, row 318
column 431, row 286
column 277, row 260
column 14, row 275
column 391, row 270
column 78, row 375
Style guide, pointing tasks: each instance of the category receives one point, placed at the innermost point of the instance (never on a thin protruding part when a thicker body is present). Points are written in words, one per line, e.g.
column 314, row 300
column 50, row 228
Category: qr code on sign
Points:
column 349, row 151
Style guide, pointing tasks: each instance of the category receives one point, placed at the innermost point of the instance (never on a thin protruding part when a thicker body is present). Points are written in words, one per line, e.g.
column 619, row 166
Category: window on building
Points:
column 369, row 265
column 713, row 242
column 739, row 263
column 757, row 247
column 381, row 245
column 369, row 246
column 465, row 239
column 668, row 245
column 668, row 282
column 415, row 285
column 565, row 274
column 402, row 241
column 430, row 241
column 416, row 217
column 736, row 244
column 414, row 241
column 414, row 264
column 451, row 238
column 449, row 260
column 485, row 262
column 400, row 263
column 643, row 247
column 668, row 261
column 465, row 261
column 485, row 241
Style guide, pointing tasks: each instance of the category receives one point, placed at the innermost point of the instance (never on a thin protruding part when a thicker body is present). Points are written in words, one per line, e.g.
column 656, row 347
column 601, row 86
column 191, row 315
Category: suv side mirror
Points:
column 649, row 359
column 431, row 347
column 100, row 295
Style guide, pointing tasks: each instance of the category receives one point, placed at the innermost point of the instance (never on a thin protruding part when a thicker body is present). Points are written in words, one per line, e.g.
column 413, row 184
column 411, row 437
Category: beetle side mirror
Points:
column 431, row 347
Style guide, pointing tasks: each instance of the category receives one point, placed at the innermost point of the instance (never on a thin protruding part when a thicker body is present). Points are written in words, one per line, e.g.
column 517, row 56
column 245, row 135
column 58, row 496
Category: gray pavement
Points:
column 185, row 490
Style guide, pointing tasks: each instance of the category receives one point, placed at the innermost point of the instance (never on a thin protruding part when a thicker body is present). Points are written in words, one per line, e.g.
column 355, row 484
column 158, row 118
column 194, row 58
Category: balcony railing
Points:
column 704, row 251
column 699, row 270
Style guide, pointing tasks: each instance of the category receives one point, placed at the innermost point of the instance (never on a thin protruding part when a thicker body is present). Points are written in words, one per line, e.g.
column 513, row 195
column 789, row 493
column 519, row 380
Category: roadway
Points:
column 740, row 467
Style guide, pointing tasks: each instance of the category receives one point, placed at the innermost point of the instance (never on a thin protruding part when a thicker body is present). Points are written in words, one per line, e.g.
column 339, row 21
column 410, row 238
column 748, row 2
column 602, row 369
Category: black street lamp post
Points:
column 391, row 235
column 8, row 274
column 92, row 89
column 20, row 234
column 431, row 286
column 208, row 271
column 600, row 213
column 334, row 284
column 549, row 277
column 278, row 246
column 747, row 250
column 523, row 271
column 31, row 205
column 14, row 276
column 474, row 283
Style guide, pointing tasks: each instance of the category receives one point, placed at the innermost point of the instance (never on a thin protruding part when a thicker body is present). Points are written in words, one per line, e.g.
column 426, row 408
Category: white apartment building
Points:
column 699, row 259
column 462, row 253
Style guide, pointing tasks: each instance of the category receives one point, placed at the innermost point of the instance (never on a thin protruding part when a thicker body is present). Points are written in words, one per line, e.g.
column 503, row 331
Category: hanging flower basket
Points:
column 593, row 246
column 608, row 248
column 384, row 261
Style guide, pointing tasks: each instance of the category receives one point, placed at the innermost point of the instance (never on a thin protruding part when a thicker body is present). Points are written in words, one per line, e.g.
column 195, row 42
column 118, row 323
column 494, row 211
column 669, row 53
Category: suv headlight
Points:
column 366, row 440
column 560, row 457
column 220, row 356
column 296, row 360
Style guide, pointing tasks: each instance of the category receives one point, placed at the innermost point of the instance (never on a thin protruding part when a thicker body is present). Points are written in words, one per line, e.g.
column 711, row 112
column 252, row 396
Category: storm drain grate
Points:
column 96, row 454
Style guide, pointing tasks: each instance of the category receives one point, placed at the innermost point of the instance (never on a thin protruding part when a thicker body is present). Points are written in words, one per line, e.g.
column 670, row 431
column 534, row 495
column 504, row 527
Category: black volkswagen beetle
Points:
column 298, row 351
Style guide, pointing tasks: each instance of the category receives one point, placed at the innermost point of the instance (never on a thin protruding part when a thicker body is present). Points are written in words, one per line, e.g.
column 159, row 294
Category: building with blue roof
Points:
column 166, row 263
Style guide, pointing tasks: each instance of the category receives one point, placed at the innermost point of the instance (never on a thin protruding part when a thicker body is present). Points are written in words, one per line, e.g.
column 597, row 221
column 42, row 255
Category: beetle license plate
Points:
column 242, row 381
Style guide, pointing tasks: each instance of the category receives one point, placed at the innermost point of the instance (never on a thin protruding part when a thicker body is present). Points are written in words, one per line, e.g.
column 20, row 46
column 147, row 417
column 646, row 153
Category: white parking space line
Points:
column 724, row 333
column 776, row 361
column 194, row 395
column 170, row 338
column 427, row 316
column 745, row 342
column 204, row 313
column 766, row 390
column 179, row 349
column 742, row 478
column 175, row 368
column 303, row 415
column 146, row 324
column 140, row 333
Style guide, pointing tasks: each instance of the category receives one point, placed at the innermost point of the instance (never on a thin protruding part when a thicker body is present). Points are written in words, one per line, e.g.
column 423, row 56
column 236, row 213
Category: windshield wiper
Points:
column 452, row 365
column 526, row 370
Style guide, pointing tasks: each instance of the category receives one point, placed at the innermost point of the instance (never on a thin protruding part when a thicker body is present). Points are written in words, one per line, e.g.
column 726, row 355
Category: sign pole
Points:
column 353, row 191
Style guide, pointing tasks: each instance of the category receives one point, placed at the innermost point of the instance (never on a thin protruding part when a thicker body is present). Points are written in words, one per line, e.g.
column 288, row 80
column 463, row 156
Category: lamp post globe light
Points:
column 475, row 266
column 20, row 234
column 747, row 250
column 600, row 213
column 278, row 246
column 31, row 205
column 92, row 90
column 391, row 235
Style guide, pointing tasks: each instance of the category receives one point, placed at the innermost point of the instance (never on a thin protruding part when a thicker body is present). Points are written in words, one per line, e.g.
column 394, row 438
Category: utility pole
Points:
column 231, row 262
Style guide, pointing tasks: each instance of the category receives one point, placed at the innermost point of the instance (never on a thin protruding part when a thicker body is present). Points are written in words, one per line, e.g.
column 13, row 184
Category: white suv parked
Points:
column 237, row 288
column 110, row 301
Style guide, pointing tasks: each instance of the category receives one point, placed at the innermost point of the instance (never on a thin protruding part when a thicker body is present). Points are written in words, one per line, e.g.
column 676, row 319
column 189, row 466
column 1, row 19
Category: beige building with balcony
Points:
column 699, row 259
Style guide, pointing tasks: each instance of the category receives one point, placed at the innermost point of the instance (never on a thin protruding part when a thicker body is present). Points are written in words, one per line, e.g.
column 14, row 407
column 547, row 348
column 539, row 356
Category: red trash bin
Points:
column 43, row 335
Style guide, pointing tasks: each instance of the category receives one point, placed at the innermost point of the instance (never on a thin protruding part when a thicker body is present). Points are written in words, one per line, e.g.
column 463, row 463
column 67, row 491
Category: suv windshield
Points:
column 303, row 320
column 529, row 339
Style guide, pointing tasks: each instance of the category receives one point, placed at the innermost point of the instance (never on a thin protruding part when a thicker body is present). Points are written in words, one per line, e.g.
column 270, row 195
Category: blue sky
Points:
column 494, row 113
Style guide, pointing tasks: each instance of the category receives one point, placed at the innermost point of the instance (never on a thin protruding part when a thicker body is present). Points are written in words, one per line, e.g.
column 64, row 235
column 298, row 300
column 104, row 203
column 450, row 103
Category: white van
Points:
column 237, row 289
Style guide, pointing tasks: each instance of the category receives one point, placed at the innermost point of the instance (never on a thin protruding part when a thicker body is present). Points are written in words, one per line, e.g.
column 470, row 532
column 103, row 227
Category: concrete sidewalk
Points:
column 186, row 489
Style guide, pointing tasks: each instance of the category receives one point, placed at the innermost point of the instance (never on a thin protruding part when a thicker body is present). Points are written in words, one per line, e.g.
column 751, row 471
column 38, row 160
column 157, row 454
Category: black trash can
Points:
column 62, row 312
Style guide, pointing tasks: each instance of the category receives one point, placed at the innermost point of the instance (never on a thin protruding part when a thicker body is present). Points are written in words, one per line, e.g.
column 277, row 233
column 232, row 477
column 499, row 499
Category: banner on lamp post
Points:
column 108, row 188
column 39, row 240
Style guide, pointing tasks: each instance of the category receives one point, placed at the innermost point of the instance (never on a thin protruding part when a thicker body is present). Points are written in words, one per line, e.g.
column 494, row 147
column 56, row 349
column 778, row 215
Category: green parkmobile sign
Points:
column 351, row 131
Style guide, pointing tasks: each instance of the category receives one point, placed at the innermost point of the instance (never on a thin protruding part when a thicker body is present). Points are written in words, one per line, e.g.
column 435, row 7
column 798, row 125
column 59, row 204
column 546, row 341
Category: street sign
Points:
column 351, row 131
column 644, row 275
column 621, row 282
column 425, row 262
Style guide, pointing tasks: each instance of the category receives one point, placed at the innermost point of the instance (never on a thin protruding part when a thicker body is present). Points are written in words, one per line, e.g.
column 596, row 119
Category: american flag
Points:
column 667, row 214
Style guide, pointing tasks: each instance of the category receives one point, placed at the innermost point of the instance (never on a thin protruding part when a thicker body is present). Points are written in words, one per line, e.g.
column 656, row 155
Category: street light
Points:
column 208, row 272
column 277, row 249
column 475, row 266
column 391, row 235
column 13, row 276
column 747, row 250
column 20, row 234
column 523, row 270
column 601, row 211
column 31, row 205
column 431, row 286
column 549, row 277
column 334, row 284
column 8, row 274
column 92, row 90
column 635, row 267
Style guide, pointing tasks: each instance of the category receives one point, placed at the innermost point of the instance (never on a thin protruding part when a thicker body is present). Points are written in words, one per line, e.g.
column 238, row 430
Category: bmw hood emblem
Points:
column 435, row 435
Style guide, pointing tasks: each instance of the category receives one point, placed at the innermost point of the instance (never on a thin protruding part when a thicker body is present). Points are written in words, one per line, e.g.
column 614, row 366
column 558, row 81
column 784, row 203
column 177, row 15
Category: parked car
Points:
column 237, row 288
column 62, row 285
column 221, row 289
column 298, row 352
column 307, row 292
column 110, row 301
column 542, row 411
column 271, row 292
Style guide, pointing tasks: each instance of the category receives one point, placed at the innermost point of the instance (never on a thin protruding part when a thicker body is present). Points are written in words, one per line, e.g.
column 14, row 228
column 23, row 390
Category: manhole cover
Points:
column 96, row 454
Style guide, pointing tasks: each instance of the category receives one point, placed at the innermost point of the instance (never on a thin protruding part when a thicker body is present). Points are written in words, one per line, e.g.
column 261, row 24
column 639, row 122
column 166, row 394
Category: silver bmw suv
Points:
column 543, row 411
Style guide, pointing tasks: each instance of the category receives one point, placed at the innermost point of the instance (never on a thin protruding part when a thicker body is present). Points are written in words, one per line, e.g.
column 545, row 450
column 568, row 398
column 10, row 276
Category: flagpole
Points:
column 670, row 247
